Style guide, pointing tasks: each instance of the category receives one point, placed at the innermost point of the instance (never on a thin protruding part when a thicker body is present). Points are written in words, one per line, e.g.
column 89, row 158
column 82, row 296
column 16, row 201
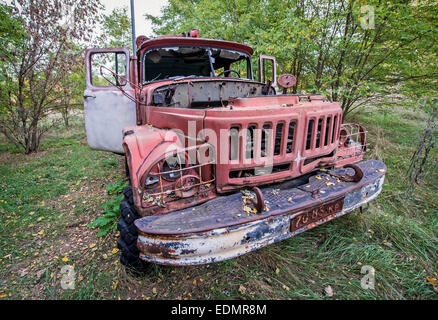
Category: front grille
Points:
column 279, row 140
column 266, row 133
column 324, row 134
column 262, row 140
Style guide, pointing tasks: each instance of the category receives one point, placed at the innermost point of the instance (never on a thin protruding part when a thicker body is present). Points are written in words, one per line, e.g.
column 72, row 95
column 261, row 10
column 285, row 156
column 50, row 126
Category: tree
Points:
column 36, row 61
column 347, row 50
column 116, row 29
column 71, row 88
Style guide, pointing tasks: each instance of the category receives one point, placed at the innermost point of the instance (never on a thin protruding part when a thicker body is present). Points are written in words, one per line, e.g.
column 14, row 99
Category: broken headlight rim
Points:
column 151, row 180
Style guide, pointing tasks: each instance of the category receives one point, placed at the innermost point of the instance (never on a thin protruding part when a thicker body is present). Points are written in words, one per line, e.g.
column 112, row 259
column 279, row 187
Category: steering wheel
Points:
column 223, row 72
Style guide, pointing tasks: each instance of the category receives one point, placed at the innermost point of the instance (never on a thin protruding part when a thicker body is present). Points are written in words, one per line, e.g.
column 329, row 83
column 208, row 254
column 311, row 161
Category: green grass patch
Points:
column 48, row 199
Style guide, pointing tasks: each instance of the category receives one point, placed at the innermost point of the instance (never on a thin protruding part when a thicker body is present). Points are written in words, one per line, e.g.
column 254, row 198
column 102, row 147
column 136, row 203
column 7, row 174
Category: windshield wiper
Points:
column 183, row 77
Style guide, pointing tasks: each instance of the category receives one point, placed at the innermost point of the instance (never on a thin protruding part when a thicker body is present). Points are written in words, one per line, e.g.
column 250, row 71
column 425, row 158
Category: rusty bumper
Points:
column 223, row 228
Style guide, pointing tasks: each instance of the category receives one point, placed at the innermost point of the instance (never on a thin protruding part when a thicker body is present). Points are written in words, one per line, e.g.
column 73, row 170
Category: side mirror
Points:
column 268, row 70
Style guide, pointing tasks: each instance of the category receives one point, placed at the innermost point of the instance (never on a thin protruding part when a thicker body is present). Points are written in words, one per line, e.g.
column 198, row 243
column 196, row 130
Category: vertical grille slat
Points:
column 290, row 137
column 266, row 137
column 318, row 134
column 278, row 138
column 327, row 130
column 309, row 134
column 250, row 142
column 335, row 125
column 234, row 143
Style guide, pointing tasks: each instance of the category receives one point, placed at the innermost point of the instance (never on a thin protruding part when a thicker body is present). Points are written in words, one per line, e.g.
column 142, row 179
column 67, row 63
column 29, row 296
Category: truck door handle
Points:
column 88, row 95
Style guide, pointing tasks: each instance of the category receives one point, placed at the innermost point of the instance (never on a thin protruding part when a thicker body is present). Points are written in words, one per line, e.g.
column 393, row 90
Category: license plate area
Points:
column 315, row 214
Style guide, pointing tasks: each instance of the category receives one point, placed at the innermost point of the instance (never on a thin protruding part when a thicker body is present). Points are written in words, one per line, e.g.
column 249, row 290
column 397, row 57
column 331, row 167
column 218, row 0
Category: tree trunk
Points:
column 32, row 140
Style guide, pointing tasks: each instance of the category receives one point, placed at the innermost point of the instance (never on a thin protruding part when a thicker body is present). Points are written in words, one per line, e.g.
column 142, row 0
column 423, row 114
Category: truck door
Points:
column 268, row 70
column 106, row 105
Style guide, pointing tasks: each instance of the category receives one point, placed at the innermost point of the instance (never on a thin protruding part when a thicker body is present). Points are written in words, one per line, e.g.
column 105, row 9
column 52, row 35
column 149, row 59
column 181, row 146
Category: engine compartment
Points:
column 207, row 94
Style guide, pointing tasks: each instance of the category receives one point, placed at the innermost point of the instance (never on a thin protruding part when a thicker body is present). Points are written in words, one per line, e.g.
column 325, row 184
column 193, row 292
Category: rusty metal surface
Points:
column 228, row 211
column 231, row 241
column 175, row 40
column 287, row 80
column 313, row 215
column 356, row 177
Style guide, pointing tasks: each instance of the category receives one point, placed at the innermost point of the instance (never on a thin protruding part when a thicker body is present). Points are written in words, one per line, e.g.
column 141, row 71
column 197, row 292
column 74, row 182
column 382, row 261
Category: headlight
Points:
column 151, row 180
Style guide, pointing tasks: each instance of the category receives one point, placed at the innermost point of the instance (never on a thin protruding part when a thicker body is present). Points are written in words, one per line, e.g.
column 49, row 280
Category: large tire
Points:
column 127, row 242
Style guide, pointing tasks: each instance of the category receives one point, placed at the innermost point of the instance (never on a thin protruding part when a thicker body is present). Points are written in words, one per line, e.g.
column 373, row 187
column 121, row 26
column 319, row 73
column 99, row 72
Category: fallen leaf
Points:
column 40, row 273
column 277, row 271
column 154, row 290
column 23, row 272
column 431, row 281
column 246, row 209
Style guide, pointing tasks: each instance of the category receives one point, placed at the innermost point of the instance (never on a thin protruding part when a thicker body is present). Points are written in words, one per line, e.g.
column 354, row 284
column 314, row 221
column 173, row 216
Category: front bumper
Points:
column 220, row 229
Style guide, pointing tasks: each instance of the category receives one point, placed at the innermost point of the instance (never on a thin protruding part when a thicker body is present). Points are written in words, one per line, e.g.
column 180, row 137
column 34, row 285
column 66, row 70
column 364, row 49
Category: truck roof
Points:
column 178, row 41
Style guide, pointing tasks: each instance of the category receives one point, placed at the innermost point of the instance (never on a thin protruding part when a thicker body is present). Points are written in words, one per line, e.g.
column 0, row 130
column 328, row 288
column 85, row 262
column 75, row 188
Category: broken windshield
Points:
column 188, row 61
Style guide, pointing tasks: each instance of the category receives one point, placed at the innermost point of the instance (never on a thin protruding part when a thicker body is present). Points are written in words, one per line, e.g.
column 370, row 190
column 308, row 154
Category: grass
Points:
column 48, row 199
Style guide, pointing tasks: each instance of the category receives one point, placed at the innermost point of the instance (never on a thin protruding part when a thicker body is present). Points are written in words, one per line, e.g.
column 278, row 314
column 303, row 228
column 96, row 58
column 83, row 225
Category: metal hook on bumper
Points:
column 260, row 203
column 358, row 174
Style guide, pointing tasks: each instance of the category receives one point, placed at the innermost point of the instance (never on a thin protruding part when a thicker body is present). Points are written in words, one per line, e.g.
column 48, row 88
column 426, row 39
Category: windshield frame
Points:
column 208, row 49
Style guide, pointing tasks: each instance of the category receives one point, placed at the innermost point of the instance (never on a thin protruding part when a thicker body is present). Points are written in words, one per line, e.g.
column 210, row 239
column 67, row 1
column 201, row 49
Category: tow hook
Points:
column 358, row 174
column 260, row 201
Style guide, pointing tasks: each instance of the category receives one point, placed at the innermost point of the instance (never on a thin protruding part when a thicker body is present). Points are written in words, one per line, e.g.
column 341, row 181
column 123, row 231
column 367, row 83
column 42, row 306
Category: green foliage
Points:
column 117, row 187
column 38, row 53
column 111, row 213
column 116, row 29
column 330, row 46
column 12, row 35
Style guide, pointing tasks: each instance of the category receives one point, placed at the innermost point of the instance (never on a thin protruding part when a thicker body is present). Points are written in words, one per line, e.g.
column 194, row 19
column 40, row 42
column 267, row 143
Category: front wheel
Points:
column 127, row 242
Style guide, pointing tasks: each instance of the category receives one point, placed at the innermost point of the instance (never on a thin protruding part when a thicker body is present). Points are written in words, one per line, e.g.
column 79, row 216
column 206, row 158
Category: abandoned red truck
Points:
column 219, row 164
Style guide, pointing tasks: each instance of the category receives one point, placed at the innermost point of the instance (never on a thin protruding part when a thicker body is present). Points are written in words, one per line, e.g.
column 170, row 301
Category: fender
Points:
column 144, row 146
